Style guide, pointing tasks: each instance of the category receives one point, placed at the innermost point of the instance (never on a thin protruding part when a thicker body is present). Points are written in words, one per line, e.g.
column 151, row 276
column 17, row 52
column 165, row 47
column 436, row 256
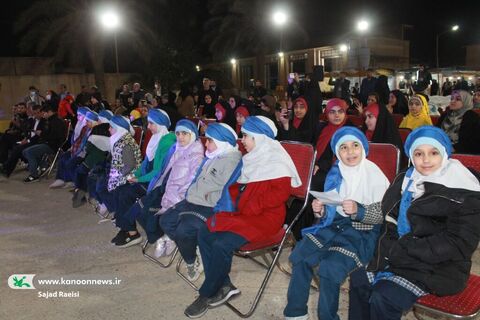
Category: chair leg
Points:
column 49, row 170
column 260, row 290
column 181, row 275
column 155, row 260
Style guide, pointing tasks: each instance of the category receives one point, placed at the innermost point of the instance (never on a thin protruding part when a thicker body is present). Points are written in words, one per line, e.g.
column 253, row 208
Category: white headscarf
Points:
column 154, row 140
column 268, row 160
column 451, row 174
column 78, row 127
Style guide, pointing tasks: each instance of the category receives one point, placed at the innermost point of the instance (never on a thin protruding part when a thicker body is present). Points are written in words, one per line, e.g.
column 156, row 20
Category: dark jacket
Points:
column 468, row 137
column 367, row 87
column 341, row 88
column 445, row 231
column 41, row 126
column 54, row 133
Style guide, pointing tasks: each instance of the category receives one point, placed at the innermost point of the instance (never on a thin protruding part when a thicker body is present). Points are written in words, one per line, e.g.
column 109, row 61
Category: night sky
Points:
column 327, row 22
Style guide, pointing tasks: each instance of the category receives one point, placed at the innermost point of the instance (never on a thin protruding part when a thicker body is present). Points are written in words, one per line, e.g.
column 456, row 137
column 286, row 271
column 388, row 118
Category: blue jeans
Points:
column 385, row 300
column 66, row 166
column 125, row 198
column 34, row 155
column 217, row 250
column 181, row 223
column 80, row 178
column 333, row 268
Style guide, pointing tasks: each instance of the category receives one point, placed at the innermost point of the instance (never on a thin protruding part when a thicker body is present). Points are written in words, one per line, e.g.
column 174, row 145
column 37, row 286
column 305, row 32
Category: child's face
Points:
column 112, row 130
column 152, row 127
column 336, row 115
column 456, row 102
column 370, row 121
column 300, row 110
column 218, row 114
column 80, row 117
column 240, row 119
column 248, row 142
column 90, row 124
column 414, row 106
column 210, row 145
column 426, row 159
column 183, row 138
column 350, row 153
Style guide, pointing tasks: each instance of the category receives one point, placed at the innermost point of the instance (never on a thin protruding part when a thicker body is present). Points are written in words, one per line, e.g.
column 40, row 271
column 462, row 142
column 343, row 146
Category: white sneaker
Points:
column 57, row 184
column 69, row 185
column 195, row 269
column 199, row 261
column 160, row 247
column 102, row 210
column 170, row 246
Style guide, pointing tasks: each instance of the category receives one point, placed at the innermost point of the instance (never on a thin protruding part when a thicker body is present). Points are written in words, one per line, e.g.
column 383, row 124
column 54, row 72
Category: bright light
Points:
column 450, row 78
column 279, row 18
column 197, row 67
column 280, row 54
column 233, row 61
column 413, row 78
column 362, row 26
column 455, row 27
column 401, row 78
column 470, row 78
column 110, row 20
column 343, row 48
column 459, row 78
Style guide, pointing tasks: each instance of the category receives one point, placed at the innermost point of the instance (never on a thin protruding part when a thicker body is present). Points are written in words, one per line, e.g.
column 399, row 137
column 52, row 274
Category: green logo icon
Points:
column 21, row 281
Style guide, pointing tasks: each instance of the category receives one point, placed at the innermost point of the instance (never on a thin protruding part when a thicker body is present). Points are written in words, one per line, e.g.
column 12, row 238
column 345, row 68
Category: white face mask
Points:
column 33, row 93
column 48, row 96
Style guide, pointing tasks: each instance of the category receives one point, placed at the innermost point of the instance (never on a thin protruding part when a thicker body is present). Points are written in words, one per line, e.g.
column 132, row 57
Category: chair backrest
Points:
column 397, row 117
column 138, row 134
column 303, row 156
column 404, row 132
column 356, row 120
column 434, row 119
column 146, row 140
column 468, row 160
column 386, row 157
column 68, row 126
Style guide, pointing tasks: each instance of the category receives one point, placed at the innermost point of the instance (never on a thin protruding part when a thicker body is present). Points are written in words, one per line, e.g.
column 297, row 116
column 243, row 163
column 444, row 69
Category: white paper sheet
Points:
column 330, row 197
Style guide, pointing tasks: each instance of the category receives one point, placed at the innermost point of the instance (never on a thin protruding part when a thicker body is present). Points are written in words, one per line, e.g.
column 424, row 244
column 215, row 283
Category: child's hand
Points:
column 318, row 208
column 349, row 207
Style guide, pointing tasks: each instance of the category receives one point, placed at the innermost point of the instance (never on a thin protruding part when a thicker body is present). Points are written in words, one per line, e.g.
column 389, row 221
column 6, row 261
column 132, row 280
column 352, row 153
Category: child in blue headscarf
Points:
column 344, row 238
column 431, row 230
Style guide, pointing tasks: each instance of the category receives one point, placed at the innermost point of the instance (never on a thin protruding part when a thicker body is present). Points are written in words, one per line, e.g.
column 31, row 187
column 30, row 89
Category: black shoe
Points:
column 42, row 171
column 222, row 296
column 198, row 307
column 30, row 178
column 126, row 240
column 117, row 237
column 79, row 198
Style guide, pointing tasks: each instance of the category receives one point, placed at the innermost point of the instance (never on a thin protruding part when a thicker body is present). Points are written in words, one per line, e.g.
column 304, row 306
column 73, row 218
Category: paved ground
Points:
column 41, row 234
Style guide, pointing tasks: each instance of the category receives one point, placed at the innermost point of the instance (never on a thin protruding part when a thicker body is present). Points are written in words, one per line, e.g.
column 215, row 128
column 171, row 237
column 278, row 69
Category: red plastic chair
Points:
column 465, row 305
column 404, row 132
column 468, row 160
column 146, row 139
column 138, row 135
column 303, row 156
column 397, row 117
column 386, row 157
column 356, row 120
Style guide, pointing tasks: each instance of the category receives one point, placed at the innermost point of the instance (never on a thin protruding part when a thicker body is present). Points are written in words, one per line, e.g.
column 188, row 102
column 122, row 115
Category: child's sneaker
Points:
column 126, row 240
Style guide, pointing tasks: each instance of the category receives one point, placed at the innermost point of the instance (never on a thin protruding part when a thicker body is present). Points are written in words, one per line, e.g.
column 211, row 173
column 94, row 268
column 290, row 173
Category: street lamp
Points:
column 279, row 19
column 363, row 26
column 233, row 61
column 453, row 28
column 111, row 21
column 343, row 48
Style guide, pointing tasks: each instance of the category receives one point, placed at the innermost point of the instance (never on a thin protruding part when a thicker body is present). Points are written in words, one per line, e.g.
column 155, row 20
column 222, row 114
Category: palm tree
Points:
column 70, row 31
column 244, row 26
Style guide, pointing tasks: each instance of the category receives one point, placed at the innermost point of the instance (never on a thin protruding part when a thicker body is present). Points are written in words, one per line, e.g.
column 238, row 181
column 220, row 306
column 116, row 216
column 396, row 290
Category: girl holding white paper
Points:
column 344, row 238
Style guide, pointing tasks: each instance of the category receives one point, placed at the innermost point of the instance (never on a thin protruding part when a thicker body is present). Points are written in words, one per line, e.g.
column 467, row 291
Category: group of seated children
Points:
column 396, row 242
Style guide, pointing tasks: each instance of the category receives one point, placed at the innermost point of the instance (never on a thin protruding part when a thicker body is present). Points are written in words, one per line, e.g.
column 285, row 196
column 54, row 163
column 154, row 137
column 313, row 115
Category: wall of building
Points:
column 473, row 56
column 13, row 89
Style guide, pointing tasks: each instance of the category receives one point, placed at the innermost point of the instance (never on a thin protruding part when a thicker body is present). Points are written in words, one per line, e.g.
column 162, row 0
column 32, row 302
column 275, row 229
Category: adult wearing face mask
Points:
column 33, row 96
